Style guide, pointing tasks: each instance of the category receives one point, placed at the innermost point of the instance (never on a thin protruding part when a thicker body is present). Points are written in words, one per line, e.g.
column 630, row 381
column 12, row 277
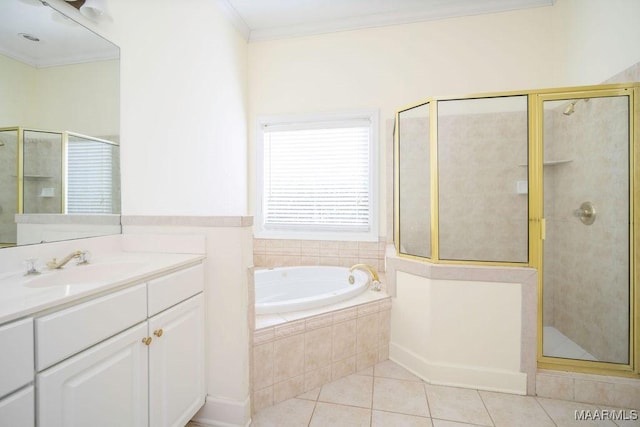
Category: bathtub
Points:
column 284, row 289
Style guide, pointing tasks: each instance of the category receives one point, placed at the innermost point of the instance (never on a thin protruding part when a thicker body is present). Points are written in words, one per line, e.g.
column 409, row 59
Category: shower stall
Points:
column 546, row 179
column 54, row 172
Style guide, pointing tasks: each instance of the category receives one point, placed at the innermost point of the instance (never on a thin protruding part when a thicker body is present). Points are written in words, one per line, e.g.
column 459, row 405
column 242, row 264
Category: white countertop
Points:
column 18, row 297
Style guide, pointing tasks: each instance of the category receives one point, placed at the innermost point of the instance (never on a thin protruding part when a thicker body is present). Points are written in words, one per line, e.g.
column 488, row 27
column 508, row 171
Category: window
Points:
column 316, row 177
column 90, row 179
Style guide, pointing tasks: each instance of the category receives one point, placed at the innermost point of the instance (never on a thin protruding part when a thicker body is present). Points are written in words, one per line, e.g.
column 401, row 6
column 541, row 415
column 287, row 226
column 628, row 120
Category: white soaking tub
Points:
column 284, row 289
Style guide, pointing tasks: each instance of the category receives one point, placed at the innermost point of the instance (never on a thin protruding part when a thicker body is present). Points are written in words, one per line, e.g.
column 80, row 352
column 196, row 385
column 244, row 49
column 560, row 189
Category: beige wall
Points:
column 17, row 85
column 391, row 67
column 81, row 98
column 572, row 42
column 594, row 39
column 183, row 108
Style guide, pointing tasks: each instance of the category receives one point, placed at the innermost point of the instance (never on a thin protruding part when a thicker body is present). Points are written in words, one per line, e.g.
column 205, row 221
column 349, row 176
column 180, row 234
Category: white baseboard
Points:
column 474, row 377
column 220, row 412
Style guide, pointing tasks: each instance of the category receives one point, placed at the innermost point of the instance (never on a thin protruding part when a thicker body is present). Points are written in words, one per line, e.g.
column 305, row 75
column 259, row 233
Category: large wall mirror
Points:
column 59, row 127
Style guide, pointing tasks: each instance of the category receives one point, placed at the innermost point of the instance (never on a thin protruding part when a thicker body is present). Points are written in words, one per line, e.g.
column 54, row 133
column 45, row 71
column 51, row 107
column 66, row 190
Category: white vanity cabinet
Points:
column 176, row 365
column 17, row 409
column 16, row 372
column 143, row 371
column 106, row 385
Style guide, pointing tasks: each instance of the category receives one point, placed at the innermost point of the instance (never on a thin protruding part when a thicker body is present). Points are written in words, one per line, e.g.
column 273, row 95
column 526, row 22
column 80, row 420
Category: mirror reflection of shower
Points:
column 571, row 108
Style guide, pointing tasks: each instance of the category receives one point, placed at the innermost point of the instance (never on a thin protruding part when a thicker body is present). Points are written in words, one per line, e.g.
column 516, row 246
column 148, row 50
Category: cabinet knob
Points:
column 146, row 341
column 158, row 333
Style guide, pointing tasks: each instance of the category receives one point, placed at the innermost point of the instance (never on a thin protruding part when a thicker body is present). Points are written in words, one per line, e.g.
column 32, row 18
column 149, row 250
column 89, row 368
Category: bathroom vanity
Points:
column 118, row 342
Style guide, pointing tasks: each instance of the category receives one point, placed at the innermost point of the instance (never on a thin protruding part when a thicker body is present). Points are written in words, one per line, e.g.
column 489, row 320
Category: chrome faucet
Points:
column 81, row 255
column 375, row 280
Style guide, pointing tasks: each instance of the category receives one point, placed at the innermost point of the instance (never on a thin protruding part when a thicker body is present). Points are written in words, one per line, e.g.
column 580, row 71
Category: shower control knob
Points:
column 586, row 213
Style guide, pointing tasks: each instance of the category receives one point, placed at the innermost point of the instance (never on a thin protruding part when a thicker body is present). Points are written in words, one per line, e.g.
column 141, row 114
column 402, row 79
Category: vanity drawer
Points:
column 18, row 409
column 16, row 356
column 167, row 291
column 66, row 332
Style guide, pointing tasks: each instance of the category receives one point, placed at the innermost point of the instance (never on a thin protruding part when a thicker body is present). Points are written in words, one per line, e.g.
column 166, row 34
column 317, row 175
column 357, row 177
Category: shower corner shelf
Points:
column 551, row 162
column 37, row 177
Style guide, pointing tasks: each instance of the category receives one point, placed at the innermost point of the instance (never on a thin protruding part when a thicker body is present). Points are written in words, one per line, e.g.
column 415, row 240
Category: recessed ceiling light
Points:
column 29, row 37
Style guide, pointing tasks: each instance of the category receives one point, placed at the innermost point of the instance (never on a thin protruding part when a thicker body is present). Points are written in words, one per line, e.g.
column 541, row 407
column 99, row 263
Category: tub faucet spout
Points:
column 375, row 280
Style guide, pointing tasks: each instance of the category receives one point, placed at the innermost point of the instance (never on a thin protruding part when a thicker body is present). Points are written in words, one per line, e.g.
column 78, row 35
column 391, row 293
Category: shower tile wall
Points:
column 42, row 169
column 483, row 217
column 586, row 267
column 8, row 186
column 415, row 191
column 270, row 253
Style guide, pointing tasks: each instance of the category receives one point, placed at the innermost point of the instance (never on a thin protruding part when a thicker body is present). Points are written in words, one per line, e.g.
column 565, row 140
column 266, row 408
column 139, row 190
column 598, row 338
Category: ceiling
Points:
column 61, row 40
column 272, row 19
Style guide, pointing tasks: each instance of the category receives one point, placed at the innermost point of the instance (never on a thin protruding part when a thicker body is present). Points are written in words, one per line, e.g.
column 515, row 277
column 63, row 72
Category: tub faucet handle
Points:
column 375, row 280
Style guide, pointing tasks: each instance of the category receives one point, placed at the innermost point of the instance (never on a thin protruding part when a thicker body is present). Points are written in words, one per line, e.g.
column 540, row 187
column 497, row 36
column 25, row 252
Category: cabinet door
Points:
column 17, row 409
column 176, row 364
column 104, row 386
column 16, row 356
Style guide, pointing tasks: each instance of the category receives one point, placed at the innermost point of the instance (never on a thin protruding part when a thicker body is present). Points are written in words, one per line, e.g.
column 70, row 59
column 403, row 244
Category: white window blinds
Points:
column 89, row 177
column 317, row 176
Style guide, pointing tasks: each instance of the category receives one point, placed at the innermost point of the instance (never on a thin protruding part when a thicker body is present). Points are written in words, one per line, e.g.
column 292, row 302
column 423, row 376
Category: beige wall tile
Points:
column 369, row 308
column 343, row 367
column 290, row 328
column 627, row 396
column 367, row 333
column 262, row 336
column 319, row 321
column 309, row 260
column 384, row 327
column 366, row 359
column 288, row 358
column 329, row 260
column 346, row 314
column 262, row 366
column 555, row 387
column 287, row 389
column 318, row 348
column 383, row 353
column 262, row 399
column 598, row 393
column 344, row 340
column 317, row 378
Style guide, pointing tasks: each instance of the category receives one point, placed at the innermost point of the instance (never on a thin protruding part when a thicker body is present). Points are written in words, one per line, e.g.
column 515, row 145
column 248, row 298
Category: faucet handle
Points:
column 84, row 257
column 32, row 266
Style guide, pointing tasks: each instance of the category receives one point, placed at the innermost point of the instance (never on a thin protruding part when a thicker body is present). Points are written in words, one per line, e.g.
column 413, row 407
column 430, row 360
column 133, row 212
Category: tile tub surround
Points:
column 270, row 253
column 299, row 356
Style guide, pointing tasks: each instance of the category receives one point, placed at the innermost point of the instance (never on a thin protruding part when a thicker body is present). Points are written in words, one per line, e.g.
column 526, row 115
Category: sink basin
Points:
column 82, row 274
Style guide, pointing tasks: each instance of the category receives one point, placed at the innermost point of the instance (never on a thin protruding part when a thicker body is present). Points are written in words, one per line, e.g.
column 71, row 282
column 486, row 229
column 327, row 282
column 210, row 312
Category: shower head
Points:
column 571, row 108
column 1, row 143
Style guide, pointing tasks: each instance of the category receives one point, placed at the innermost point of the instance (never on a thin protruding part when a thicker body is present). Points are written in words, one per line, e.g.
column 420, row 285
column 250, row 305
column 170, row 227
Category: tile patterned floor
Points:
column 387, row 395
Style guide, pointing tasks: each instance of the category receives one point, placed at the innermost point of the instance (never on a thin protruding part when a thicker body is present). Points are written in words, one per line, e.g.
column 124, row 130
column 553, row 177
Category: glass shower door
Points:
column 586, row 257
